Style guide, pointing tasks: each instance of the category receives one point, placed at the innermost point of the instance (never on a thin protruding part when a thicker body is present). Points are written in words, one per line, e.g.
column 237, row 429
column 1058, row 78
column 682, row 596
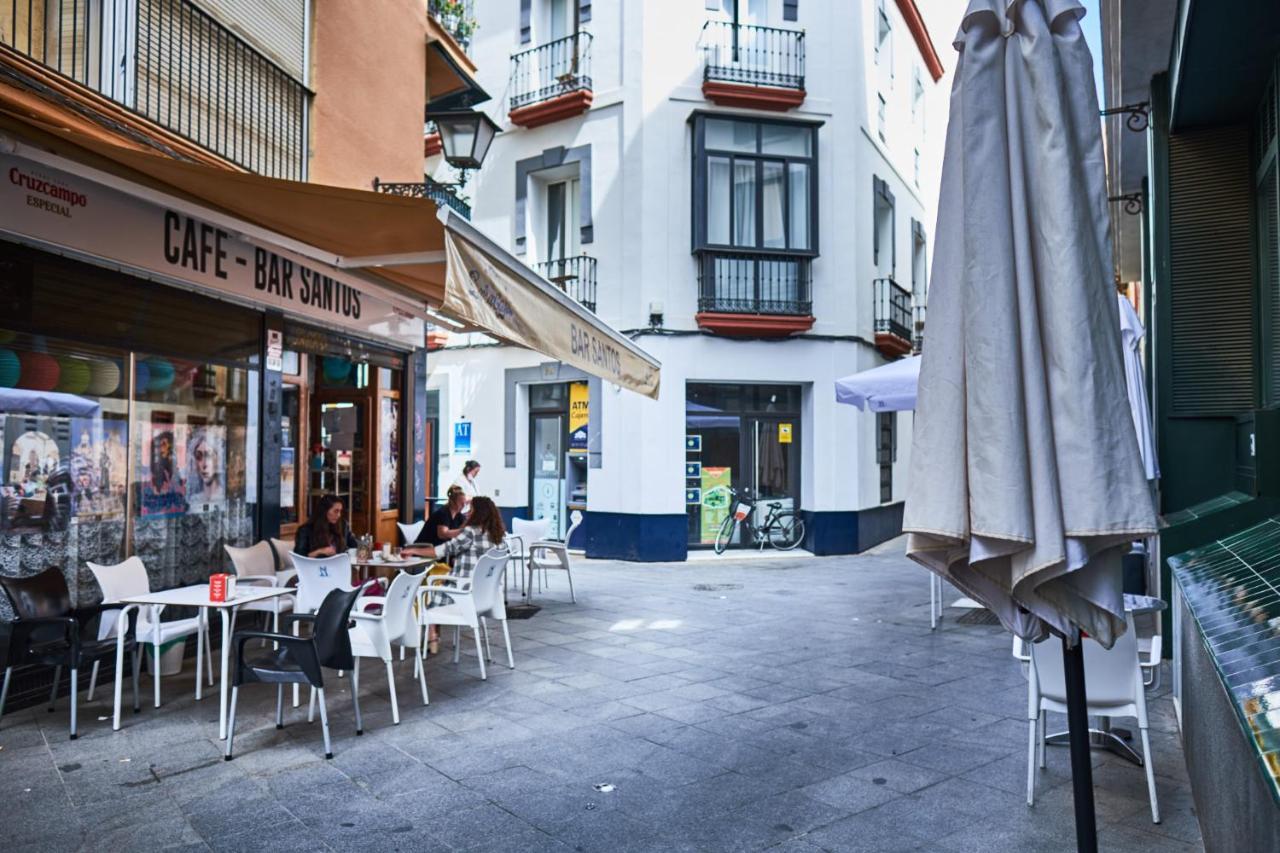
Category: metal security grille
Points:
column 177, row 66
column 752, row 55
column 741, row 283
column 893, row 308
column 551, row 70
column 575, row 275
column 1211, row 272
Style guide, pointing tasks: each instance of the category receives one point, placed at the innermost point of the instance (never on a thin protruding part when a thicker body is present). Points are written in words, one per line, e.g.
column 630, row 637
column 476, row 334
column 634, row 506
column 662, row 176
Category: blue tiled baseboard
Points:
column 852, row 531
column 641, row 538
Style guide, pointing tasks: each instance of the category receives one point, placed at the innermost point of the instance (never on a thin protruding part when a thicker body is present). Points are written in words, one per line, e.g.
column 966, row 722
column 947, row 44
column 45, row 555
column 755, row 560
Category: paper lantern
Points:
column 161, row 375
column 141, row 376
column 104, row 378
column 73, row 375
column 336, row 370
column 10, row 368
column 39, row 371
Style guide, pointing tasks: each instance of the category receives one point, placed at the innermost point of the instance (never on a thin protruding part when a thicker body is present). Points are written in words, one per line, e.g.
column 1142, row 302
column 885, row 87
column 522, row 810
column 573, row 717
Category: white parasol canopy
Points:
column 1026, row 484
column 1131, row 334
column 888, row 388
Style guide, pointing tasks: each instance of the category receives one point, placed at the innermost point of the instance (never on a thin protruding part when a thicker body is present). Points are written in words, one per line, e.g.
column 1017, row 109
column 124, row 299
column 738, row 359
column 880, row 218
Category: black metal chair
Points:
column 298, row 660
column 48, row 631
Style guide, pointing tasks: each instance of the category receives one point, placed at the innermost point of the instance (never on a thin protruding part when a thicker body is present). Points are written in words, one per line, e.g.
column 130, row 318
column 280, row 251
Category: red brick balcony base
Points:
column 560, row 107
column 892, row 346
column 752, row 97
column 432, row 145
column 753, row 325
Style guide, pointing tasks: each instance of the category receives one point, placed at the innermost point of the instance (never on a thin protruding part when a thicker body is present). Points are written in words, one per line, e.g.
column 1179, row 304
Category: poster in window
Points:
column 288, row 483
column 715, row 501
column 98, row 465
column 34, row 459
column 160, row 478
column 205, row 476
column 389, row 454
column 579, row 416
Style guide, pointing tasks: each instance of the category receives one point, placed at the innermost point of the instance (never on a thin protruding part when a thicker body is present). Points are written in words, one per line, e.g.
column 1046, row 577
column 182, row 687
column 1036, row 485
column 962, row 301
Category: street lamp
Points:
column 465, row 136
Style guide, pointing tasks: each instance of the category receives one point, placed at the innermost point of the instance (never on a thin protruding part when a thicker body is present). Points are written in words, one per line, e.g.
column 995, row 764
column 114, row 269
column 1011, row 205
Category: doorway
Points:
column 558, row 452
column 739, row 437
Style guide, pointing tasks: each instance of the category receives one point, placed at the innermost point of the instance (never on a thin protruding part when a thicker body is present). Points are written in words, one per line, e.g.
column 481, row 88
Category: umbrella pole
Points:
column 1081, row 760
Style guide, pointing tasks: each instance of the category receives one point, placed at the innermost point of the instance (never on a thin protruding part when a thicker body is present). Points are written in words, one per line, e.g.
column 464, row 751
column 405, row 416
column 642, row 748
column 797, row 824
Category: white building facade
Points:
column 747, row 188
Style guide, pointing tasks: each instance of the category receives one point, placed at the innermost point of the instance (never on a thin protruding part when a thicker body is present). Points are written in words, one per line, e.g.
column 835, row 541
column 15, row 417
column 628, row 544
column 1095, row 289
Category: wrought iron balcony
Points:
column 742, row 283
column 751, row 55
column 892, row 317
column 576, row 276
column 555, row 71
column 175, row 65
column 458, row 17
column 918, row 312
column 428, row 189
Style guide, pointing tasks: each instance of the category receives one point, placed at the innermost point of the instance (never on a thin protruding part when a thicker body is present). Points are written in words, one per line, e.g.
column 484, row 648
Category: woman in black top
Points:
column 326, row 534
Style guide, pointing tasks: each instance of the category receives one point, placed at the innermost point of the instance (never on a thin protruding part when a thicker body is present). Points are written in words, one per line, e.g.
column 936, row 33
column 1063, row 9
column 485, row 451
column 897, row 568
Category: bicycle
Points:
column 782, row 529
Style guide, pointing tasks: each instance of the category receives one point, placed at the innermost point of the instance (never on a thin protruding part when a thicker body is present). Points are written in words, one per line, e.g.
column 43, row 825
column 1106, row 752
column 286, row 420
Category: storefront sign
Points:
column 275, row 350
column 63, row 209
column 784, row 433
column 462, row 438
column 579, row 415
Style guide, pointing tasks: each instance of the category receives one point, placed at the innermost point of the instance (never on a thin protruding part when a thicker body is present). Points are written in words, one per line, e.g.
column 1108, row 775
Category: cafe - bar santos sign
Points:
column 61, row 209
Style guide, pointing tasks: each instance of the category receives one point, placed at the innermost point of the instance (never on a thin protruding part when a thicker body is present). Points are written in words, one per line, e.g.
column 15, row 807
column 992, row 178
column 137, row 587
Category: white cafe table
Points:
column 193, row 596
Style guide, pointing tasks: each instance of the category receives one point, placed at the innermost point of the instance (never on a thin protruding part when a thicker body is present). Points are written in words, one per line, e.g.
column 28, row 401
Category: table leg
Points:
column 200, row 625
column 225, row 613
column 122, row 622
column 155, row 648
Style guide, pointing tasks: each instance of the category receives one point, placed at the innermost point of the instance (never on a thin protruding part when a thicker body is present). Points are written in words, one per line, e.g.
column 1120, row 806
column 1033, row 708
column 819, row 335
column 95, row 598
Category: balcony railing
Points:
column 752, row 55
column 918, row 311
column 576, row 276
column 893, row 309
column 458, row 17
column 428, row 189
column 739, row 283
column 175, row 65
column 551, row 70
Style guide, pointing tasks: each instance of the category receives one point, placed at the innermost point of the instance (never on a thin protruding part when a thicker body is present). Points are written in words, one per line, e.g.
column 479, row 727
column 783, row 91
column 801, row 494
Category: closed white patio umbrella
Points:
column 1026, row 484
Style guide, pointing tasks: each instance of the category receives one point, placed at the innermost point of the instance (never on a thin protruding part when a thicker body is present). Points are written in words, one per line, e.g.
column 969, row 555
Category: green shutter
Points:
column 1211, row 272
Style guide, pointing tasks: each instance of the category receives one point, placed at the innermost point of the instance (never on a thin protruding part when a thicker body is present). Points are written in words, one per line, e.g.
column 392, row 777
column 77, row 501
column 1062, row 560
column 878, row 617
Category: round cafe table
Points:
column 377, row 567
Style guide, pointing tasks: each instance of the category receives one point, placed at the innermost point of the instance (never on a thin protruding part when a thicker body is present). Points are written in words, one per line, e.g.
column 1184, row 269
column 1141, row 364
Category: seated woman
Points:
column 444, row 524
column 484, row 530
column 326, row 534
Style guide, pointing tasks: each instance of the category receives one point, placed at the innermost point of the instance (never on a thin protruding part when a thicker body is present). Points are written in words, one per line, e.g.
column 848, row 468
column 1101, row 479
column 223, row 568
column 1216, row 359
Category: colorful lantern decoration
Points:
column 10, row 368
column 104, row 377
column 39, row 371
column 141, row 377
column 73, row 375
column 161, row 375
column 336, row 370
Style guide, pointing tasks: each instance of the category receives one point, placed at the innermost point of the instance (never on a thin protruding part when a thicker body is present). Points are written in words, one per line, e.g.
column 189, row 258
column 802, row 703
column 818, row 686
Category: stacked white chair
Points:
column 1113, row 688
column 474, row 600
column 256, row 565
column 551, row 555
column 523, row 534
column 127, row 580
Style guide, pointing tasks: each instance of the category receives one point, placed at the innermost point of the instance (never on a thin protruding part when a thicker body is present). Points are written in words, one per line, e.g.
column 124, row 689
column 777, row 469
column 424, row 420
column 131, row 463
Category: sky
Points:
column 1092, row 25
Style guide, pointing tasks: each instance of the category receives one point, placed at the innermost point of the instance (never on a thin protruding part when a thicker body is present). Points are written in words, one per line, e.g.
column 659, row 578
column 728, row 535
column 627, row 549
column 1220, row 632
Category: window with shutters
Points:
column 1267, row 195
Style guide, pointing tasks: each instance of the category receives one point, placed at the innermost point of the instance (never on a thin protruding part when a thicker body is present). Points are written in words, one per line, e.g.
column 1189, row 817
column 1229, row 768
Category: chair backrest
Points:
column 40, row 596
column 397, row 613
column 530, row 531
column 575, row 521
column 331, row 634
column 284, row 554
column 317, row 576
column 1111, row 676
column 410, row 532
column 486, row 578
column 121, row 580
column 258, row 560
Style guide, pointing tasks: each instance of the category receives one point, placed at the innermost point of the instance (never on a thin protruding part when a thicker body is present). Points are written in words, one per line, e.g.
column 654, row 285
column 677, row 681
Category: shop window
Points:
column 65, row 431
column 917, row 98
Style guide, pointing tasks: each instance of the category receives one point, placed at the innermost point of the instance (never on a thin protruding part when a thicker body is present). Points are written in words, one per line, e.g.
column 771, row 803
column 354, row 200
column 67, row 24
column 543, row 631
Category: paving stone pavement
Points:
column 796, row 704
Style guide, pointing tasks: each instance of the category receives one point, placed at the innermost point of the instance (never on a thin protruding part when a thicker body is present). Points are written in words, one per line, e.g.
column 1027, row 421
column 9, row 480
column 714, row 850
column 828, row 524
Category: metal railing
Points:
column 550, row 70
column 918, row 311
column 893, row 309
column 756, row 56
column 458, row 17
column 428, row 189
column 741, row 283
column 575, row 275
column 175, row 65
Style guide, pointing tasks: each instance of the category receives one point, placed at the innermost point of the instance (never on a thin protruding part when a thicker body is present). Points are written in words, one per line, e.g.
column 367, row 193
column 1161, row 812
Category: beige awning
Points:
column 392, row 240
column 486, row 286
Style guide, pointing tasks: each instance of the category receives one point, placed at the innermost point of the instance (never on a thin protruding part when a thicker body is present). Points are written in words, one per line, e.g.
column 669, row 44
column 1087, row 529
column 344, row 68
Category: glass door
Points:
column 341, row 467
column 774, row 464
column 546, row 461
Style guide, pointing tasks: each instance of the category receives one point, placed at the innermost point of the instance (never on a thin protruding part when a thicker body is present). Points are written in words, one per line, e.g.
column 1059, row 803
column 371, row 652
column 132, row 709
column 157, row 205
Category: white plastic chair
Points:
column 317, row 576
column 475, row 599
column 1113, row 688
column 548, row 554
column 285, row 571
column 374, row 633
column 128, row 579
column 523, row 534
column 256, row 565
column 410, row 531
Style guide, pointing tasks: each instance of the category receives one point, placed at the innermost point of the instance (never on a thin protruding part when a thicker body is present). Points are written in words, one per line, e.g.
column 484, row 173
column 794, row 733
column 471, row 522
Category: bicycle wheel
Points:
column 786, row 531
column 725, row 534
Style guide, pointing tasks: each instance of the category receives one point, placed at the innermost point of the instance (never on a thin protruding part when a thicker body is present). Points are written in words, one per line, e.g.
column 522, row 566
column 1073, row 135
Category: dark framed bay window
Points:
column 755, row 213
